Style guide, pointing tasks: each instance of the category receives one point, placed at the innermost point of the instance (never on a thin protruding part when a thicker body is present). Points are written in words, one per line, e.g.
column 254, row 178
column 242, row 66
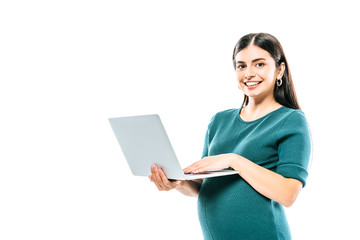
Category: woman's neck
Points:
column 255, row 110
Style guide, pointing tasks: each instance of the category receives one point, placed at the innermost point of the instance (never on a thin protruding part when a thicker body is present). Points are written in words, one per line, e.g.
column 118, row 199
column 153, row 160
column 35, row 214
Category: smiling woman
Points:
column 267, row 141
column 284, row 91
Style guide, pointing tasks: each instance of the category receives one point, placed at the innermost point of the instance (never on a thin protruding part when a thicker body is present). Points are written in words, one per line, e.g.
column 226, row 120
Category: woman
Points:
column 267, row 141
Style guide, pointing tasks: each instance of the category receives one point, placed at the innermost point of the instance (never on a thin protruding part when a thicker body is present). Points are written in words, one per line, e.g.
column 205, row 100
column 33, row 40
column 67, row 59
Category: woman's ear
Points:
column 281, row 69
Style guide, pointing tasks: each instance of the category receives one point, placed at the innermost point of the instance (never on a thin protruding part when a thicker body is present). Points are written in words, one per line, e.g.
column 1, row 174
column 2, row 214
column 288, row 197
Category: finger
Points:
column 154, row 178
column 191, row 167
column 200, row 167
column 194, row 168
column 168, row 183
column 199, row 170
column 157, row 179
column 164, row 179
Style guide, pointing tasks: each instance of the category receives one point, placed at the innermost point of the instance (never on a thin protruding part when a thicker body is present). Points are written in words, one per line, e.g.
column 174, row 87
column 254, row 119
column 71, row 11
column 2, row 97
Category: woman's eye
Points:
column 241, row 66
column 260, row 64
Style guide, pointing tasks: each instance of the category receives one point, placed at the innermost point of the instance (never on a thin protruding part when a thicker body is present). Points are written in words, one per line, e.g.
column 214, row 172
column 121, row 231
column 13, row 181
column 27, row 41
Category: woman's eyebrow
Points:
column 255, row 60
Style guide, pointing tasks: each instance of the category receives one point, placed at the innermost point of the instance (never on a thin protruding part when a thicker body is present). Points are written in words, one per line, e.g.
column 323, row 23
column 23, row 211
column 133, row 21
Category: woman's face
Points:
column 256, row 72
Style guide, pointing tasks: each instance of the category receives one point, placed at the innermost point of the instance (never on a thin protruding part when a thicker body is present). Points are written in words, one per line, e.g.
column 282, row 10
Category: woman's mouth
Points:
column 252, row 84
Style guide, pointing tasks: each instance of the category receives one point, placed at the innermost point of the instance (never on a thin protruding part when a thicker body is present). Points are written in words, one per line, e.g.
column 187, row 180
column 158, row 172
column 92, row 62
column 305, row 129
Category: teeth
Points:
column 251, row 83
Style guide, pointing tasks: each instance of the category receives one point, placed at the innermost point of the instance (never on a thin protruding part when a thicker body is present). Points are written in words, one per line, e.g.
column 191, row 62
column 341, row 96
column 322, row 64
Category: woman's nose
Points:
column 249, row 73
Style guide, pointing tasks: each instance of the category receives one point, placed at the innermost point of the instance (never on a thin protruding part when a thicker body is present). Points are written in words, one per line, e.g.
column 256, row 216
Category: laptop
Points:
column 144, row 141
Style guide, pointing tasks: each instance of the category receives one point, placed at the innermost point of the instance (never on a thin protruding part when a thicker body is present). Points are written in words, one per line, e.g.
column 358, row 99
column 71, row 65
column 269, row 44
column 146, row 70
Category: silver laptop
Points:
column 144, row 142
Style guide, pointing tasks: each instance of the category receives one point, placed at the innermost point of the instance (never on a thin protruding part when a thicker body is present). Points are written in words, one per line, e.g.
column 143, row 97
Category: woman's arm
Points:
column 189, row 188
column 268, row 183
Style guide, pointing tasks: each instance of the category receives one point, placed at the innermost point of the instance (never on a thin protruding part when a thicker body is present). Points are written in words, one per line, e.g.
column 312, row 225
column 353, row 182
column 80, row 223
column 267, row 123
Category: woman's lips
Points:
column 252, row 84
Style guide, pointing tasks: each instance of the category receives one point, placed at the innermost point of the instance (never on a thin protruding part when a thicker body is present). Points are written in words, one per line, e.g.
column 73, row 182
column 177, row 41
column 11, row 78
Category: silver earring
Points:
column 279, row 82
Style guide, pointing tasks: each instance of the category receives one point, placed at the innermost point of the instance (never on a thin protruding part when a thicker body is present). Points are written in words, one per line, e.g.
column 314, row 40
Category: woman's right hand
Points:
column 161, row 181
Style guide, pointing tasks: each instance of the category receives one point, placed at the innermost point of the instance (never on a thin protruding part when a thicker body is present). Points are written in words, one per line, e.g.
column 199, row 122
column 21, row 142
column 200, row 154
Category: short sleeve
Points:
column 294, row 147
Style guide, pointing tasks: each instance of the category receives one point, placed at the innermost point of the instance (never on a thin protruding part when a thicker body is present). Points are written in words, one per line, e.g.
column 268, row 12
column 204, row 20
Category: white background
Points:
column 67, row 66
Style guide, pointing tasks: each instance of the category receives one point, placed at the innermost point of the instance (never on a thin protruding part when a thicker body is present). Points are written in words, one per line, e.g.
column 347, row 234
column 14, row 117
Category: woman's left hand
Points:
column 217, row 162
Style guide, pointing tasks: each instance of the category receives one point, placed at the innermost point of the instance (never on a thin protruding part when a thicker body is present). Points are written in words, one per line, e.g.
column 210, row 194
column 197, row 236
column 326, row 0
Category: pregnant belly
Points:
column 229, row 207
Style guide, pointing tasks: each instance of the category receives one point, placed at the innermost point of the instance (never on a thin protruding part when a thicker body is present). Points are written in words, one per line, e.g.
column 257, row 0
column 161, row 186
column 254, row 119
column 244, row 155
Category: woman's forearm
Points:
column 268, row 183
column 190, row 188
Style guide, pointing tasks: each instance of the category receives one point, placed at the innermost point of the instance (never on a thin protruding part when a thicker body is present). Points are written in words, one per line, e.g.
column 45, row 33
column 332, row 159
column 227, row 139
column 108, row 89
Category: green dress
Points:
column 228, row 207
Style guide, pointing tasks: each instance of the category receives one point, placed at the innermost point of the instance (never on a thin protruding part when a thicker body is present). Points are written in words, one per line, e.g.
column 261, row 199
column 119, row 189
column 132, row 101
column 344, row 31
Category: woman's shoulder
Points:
column 293, row 114
column 227, row 113
column 294, row 120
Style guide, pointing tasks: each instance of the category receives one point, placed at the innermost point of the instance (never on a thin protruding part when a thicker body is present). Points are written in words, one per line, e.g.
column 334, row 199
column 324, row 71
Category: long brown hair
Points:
column 285, row 94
